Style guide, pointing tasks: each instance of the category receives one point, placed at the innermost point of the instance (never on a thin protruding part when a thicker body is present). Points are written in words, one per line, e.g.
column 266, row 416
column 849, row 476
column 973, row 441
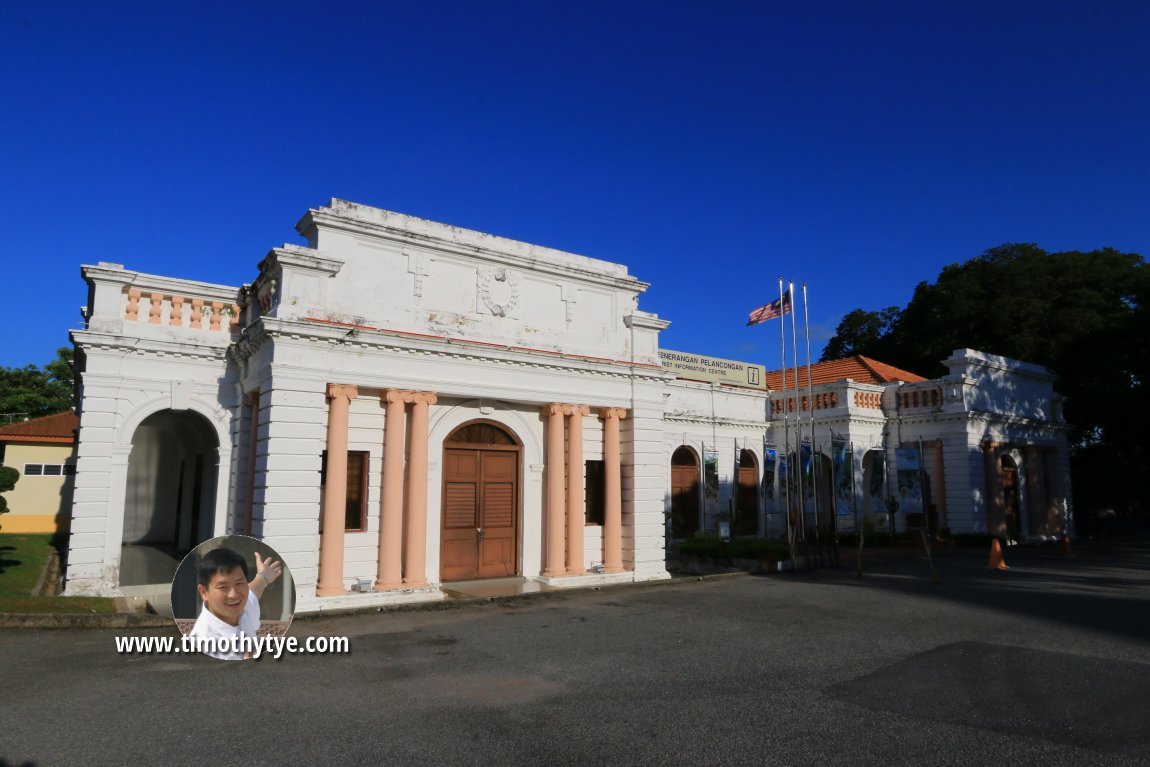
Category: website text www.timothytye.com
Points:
column 250, row 646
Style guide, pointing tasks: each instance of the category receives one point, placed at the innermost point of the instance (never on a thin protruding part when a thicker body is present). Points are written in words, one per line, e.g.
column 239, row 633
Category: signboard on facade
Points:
column 695, row 367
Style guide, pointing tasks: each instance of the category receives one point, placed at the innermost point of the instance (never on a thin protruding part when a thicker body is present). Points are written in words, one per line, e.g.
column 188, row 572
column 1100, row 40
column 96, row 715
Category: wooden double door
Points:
column 480, row 536
column 684, row 493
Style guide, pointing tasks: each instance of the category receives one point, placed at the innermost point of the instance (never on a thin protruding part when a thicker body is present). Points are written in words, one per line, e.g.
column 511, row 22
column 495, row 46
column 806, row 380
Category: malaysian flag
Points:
column 776, row 308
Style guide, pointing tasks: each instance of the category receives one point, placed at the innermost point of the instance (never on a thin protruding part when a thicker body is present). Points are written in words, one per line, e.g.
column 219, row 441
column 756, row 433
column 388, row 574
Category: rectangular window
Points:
column 48, row 469
column 595, row 493
column 355, row 513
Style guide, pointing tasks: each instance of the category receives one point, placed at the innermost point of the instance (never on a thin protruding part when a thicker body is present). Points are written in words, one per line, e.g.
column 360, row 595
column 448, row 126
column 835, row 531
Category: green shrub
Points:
column 8, row 477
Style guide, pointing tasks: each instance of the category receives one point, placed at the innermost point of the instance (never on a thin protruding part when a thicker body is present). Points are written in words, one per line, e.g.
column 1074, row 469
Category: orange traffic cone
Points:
column 996, row 560
column 1066, row 545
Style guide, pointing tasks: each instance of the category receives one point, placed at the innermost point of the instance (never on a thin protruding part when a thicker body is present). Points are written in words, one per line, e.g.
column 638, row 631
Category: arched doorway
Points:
column 169, row 498
column 480, row 520
column 684, row 493
column 746, row 521
column 1010, row 504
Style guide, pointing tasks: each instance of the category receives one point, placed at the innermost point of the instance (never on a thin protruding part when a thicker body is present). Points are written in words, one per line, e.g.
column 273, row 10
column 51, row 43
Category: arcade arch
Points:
column 169, row 494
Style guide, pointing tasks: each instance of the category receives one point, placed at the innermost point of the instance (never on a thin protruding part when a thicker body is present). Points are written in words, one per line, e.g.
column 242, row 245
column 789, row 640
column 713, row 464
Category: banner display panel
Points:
column 770, row 466
column 711, row 487
column 785, row 484
column 844, row 477
column 806, row 464
column 776, row 523
column 908, row 464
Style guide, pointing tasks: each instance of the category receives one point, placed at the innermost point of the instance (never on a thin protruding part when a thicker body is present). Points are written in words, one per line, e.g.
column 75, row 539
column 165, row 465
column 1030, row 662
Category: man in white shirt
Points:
column 231, row 601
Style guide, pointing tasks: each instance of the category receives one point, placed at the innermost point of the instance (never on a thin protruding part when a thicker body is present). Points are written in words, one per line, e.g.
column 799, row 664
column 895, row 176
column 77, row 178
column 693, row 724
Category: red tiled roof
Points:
column 857, row 368
column 60, row 427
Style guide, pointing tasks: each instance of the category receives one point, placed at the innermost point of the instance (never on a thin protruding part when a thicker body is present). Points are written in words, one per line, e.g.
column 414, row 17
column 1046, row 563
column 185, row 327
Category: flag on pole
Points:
column 776, row 308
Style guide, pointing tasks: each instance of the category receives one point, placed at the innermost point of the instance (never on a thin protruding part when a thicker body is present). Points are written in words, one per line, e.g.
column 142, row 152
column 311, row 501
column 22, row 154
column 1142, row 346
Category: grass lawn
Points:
column 22, row 558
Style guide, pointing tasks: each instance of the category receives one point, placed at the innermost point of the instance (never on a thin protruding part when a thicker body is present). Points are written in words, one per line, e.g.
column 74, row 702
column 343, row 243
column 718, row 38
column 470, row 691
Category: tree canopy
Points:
column 30, row 391
column 1083, row 315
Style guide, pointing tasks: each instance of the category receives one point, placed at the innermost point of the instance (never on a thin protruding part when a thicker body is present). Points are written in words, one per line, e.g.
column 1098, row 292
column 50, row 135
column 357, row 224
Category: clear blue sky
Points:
column 710, row 146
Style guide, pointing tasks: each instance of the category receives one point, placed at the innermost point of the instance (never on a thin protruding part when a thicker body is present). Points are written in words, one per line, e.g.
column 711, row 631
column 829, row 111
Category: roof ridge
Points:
column 902, row 374
column 866, row 363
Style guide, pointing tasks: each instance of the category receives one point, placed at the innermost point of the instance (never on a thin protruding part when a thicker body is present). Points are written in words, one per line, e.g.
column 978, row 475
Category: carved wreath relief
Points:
column 498, row 290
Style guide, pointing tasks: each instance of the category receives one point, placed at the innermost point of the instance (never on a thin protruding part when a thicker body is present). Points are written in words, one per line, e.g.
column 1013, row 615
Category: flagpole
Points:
column 786, row 423
column 798, row 416
column 735, row 489
column 811, row 404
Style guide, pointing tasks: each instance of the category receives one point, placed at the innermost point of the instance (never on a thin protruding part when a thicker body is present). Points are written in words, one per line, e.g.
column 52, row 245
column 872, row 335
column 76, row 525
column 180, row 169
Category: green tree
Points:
column 1082, row 315
column 861, row 332
column 35, row 392
column 8, row 477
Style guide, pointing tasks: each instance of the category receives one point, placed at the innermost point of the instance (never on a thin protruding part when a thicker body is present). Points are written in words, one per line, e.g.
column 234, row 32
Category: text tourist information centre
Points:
column 403, row 403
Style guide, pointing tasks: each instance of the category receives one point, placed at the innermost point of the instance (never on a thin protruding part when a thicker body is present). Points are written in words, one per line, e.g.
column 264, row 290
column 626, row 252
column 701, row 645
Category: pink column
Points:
column 415, row 567
column 335, row 492
column 613, row 481
column 554, row 565
column 575, row 499
column 389, row 574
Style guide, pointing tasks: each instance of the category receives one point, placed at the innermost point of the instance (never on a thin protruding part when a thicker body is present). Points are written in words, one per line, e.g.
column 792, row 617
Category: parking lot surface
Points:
column 1045, row 663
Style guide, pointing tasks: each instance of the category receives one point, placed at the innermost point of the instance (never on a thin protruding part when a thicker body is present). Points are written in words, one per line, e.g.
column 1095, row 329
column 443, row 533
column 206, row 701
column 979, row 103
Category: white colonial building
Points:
column 402, row 403
column 980, row 450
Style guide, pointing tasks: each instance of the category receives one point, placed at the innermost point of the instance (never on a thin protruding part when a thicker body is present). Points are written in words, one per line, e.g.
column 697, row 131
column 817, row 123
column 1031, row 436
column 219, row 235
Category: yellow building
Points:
column 41, row 449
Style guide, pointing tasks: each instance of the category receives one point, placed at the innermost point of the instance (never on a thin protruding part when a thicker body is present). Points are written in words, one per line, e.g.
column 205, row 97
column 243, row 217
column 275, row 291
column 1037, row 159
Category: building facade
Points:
column 982, row 449
column 41, row 449
column 400, row 404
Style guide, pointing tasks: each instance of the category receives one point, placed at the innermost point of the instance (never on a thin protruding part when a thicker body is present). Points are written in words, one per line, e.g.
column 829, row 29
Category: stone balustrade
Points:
column 173, row 310
column 920, row 397
column 821, row 401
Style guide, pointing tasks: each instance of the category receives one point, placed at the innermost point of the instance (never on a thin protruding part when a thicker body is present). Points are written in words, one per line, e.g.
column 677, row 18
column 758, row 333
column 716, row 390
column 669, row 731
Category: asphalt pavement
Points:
column 1046, row 663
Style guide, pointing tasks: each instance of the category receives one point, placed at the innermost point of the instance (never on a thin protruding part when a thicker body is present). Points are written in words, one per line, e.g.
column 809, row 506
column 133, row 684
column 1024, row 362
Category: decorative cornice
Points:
column 1015, row 420
column 708, row 421
column 306, row 259
column 439, row 346
column 645, row 321
column 149, row 347
column 159, row 283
